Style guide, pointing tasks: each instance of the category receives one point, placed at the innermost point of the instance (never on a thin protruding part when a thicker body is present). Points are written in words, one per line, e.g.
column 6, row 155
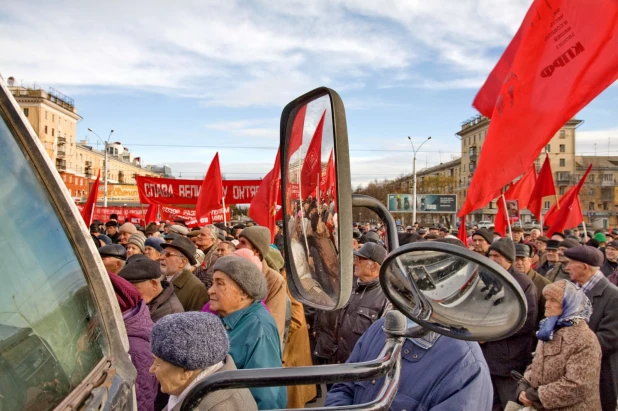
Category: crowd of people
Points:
column 200, row 301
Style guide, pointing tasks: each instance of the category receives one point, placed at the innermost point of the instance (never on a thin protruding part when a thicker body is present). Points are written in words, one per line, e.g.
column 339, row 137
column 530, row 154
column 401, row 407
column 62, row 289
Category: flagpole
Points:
column 506, row 213
column 224, row 219
column 583, row 223
column 557, row 202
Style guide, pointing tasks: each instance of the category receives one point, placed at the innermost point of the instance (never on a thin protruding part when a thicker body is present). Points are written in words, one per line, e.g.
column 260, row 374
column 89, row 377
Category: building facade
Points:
column 53, row 117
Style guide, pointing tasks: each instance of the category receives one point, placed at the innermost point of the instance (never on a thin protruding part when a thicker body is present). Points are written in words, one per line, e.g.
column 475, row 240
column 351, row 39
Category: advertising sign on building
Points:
column 425, row 203
column 120, row 193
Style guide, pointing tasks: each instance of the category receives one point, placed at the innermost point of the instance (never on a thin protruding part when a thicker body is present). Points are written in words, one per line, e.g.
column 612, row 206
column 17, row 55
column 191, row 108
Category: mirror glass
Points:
column 310, row 216
column 461, row 295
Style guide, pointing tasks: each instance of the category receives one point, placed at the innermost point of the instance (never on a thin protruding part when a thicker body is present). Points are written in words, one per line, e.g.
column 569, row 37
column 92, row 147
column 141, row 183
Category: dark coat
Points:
column 515, row 352
column 165, row 303
column 138, row 324
column 205, row 271
column 115, row 237
column 539, row 282
column 558, row 273
column 367, row 304
column 190, row 291
column 608, row 267
column 604, row 323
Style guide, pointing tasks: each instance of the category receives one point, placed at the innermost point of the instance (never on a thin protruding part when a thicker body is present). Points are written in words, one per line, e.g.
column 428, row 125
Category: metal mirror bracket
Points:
column 392, row 239
column 387, row 363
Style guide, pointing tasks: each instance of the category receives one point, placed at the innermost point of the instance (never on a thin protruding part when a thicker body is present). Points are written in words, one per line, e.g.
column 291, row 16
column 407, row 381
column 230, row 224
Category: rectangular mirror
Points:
column 317, row 207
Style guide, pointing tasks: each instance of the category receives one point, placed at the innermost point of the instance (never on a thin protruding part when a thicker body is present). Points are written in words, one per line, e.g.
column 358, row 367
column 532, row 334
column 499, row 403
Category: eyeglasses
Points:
column 167, row 254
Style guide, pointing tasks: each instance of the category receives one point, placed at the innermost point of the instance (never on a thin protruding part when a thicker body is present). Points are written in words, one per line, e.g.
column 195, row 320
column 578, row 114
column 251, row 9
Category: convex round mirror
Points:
column 453, row 291
column 316, row 191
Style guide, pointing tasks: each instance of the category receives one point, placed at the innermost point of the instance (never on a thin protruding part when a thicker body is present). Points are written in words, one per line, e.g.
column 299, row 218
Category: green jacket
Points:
column 190, row 291
column 254, row 343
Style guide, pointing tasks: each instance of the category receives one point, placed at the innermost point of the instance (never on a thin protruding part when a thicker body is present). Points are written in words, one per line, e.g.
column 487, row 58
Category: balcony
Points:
column 62, row 140
column 61, row 165
column 61, row 152
column 607, row 183
column 473, row 156
column 563, row 177
column 88, row 173
column 88, row 164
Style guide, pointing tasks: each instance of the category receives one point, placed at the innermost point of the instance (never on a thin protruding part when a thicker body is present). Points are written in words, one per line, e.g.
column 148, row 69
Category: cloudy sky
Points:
column 180, row 81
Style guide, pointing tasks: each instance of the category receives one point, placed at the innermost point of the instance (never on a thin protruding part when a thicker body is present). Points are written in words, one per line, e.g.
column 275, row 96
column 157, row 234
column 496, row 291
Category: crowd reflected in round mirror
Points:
column 457, row 295
column 311, row 204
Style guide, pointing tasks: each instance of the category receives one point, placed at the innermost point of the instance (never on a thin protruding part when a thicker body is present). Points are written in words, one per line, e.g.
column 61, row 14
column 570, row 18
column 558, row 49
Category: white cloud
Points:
column 597, row 142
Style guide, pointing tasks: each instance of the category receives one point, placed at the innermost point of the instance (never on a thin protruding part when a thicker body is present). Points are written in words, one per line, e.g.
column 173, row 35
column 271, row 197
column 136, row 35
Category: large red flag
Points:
column 263, row 208
column 570, row 213
column 312, row 164
column 88, row 210
column 151, row 213
column 296, row 138
column 211, row 193
column 544, row 187
column 519, row 191
column 328, row 176
column 566, row 57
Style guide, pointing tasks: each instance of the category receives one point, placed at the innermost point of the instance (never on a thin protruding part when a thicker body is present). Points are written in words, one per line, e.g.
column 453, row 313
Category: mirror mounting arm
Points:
column 361, row 200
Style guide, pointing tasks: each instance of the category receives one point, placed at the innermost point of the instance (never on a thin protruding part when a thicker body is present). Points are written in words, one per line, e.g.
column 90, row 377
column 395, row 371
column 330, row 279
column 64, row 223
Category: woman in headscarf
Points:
column 187, row 348
column 564, row 374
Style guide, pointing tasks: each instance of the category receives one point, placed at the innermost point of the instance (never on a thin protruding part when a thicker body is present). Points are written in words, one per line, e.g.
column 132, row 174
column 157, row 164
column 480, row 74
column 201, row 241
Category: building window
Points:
column 45, row 114
column 562, row 148
column 546, row 205
column 561, row 190
column 608, row 177
column 591, row 206
column 26, row 111
column 548, row 148
column 605, row 206
column 70, row 179
column 562, row 134
column 562, row 162
column 52, row 132
column 591, row 192
column 45, row 129
column 591, row 178
column 53, row 117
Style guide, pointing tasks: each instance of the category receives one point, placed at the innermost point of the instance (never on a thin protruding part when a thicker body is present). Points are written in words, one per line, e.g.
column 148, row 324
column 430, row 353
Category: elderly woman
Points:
column 237, row 290
column 564, row 374
column 152, row 248
column 187, row 348
column 135, row 245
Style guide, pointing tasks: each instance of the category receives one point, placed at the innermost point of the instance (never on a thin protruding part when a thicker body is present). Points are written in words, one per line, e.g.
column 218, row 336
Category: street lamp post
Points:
column 414, row 176
column 105, row 164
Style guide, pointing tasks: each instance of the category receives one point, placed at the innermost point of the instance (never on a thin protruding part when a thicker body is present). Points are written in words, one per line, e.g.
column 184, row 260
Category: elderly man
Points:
column 367, row 303
column 114, row 257
column 523, row 263
column 559, row 272
column 534, row 234
column 145, row 275
column 514, row 352
column 482, row 239
column 611, row 258
column 125, row 232
column 518, row 234
column 225, row 248
column 176, row 261
column 207, row 242
column 257, row 240
column 549, row 259
column 541, row 245
column 111, row 229
column 583, row 267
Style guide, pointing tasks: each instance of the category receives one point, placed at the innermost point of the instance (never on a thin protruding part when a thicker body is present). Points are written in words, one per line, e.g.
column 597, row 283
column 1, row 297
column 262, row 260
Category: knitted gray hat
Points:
column 258, row 236
column 505, row 247
column 483, row 232
column 244, row 273
column 140, row 268
column 191, row 340
column 138, row 239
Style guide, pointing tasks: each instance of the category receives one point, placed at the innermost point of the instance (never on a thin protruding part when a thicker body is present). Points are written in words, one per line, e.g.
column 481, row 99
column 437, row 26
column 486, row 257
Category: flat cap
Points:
column 543, row 239
column 113, row 250
column 552, row 244
column 191, row 340
column 523, row 250
column 372, row 251
column 568, row 243
column 111, row 224
column 140, row 268
column 585, row 254
column 179, row 229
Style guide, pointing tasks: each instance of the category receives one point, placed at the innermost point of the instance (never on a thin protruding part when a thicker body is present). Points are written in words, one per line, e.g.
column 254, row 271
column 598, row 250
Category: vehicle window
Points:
column 51, row 335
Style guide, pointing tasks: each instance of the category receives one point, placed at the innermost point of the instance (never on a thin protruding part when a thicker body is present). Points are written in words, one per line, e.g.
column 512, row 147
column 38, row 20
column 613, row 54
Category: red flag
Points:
column 328, row 178
column 566, row 57
column 519, row 191
column 570, row 212
column 151, row 213
column 263, row 208
column 88, row 210
column 544, row 187
column 211, row 193
column 312, row 164
column 296, row 138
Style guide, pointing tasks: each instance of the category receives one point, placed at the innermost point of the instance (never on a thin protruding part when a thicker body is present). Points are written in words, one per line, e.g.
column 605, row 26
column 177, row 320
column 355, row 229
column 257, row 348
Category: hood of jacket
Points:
column 138, row 323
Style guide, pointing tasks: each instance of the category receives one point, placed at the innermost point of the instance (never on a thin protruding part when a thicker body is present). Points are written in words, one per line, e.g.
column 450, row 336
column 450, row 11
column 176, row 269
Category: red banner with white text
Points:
column 131, row 214
column 175, row 191
column 188, row 214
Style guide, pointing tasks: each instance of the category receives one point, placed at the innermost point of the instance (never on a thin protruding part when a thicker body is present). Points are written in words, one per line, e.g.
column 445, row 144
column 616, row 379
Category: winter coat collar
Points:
column 231, row 320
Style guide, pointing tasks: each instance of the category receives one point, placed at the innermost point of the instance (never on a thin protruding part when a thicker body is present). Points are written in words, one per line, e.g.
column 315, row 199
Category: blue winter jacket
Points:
column 254, row 343
column 451, row 375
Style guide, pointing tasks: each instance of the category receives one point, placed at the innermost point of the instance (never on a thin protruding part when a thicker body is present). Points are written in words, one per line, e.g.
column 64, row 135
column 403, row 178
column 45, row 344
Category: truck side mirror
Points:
column 317, row 199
